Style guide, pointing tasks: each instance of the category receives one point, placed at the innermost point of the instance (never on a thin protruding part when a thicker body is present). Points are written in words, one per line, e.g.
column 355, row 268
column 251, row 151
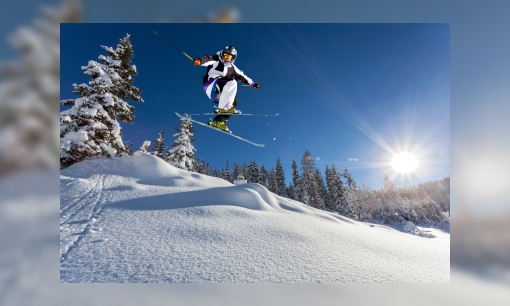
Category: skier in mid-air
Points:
column 220, row 84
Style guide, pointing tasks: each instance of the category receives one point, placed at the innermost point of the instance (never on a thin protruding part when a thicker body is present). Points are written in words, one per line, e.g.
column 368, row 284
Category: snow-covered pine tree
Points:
column 349, row 180
column 205, row 167
column 208, row 169
column 291, row 193
column 329, row 180
column 353, row 193
column 159, row 146
column 263, row 177
column 309, row 182
column 216, row 172
column 89, row 129
column 338, row 200
column 253, row 173
column 245, row 169
column 146, row 147
column 181, row 156
column 227, row 175
column 295, row 180
column 390, row 202
column 304, row 197
column 323, row 192
column 370, row 204
column 129, row 147
column 280, row 187
column 199, row 165
column 272, row 180
column 29, row 91
column 237, row 170
column 119, row 61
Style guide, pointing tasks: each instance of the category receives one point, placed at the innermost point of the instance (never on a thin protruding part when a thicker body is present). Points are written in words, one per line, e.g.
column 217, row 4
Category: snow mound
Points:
column 411, row 228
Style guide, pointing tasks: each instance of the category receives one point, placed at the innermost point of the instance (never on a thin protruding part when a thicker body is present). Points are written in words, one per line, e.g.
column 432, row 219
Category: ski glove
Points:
column 255, row 85
column 197, row 62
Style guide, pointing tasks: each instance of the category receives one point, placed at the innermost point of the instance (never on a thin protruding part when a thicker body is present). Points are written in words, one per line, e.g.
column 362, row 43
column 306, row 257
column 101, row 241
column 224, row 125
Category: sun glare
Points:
column 404, row 162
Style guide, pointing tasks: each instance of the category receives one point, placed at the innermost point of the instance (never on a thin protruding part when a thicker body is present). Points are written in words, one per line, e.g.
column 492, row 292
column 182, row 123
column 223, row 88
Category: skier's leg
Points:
column 228, row 94
column 210, row 87
column 226, row 117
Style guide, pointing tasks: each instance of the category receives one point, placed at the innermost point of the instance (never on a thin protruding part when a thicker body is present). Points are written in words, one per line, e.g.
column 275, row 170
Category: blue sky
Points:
column 351, row 94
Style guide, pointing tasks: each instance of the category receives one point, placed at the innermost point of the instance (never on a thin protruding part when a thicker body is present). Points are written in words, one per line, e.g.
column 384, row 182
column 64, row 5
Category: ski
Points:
column 242, row 114
column 216, row 129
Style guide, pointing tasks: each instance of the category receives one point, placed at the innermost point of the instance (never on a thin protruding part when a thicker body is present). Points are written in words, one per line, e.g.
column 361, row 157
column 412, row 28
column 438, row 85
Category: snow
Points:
column 139, row 219
column 73, row 137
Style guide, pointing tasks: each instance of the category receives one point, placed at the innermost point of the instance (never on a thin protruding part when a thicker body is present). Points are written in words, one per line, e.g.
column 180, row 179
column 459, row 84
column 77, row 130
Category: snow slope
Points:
column 138, row 219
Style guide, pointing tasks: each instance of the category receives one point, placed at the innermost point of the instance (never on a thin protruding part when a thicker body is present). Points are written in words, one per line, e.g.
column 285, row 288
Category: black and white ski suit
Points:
column 220, row 80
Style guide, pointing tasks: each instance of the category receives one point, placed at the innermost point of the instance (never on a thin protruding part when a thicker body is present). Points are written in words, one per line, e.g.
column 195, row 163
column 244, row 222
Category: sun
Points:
column 404, row 162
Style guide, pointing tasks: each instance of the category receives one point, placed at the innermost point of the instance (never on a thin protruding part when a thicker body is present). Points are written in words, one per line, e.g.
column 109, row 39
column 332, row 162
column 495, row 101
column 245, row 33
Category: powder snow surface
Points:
column 139, row 219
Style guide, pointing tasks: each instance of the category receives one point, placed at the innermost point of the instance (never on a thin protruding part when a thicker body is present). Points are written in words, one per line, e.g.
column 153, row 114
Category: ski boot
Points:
column 219, row 125
column 221, row 111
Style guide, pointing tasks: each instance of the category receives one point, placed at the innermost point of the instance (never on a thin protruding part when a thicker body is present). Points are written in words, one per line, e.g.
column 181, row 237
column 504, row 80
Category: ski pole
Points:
column 173, row 45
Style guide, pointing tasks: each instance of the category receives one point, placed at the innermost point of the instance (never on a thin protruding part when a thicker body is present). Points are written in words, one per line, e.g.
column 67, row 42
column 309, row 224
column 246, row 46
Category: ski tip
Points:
column 277, row 114
column 181, row 116
column 261, row 145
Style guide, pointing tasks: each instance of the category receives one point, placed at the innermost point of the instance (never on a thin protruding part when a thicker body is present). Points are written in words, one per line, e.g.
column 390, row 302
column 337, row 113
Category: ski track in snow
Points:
column 137, row 219
column 80, row 215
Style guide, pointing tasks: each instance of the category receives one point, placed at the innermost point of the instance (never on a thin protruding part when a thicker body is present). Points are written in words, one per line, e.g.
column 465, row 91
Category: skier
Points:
column 220, row 84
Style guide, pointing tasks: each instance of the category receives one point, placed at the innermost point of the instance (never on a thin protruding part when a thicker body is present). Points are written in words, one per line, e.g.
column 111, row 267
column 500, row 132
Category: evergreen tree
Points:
column 390, row 202
column 353, row 193
column 199, row 165
column 370, row 204
column 321, row 188
column 159, row 146
column 146, row 147
column 227, row 175
column 279, row 181
column 30, row 90
column 237, row 170
column 245, row 169
column 216, row 172
column 129, row 147
column 119, row 60
column 203, row 167
column 338, row 200
column 329, row 179
column 263, row 177
column 181, row 156
column 207, row 169
column 350, row 181
column 89, row 129
column 253, row 173
column 272, row 180
column 309, row 182
column 291, row 192
column 296, row 181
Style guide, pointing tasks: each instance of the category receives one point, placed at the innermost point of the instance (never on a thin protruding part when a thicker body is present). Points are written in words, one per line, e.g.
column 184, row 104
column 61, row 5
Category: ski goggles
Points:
column 227, row 56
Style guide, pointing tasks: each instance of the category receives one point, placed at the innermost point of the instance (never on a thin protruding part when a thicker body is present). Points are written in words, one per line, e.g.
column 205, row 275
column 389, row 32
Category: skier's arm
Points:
column 206, row 60
column 241, row 77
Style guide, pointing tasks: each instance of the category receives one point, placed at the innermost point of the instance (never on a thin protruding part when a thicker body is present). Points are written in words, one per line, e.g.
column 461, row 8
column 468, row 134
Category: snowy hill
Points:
column 138, row 219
